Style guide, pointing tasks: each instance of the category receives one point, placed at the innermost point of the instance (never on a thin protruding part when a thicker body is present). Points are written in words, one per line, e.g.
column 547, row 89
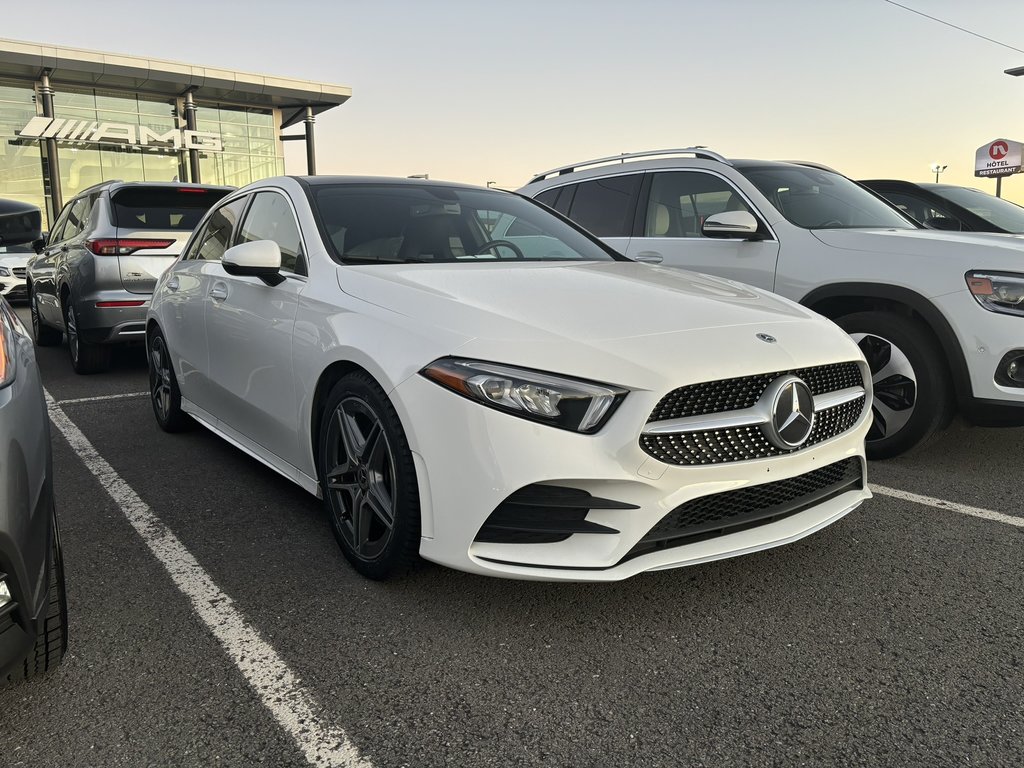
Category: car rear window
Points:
column 174, row 209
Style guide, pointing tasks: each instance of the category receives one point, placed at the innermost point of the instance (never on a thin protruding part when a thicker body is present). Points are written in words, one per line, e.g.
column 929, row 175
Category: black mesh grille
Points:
column 734, row 394
column 743, row 443
column 727, row 512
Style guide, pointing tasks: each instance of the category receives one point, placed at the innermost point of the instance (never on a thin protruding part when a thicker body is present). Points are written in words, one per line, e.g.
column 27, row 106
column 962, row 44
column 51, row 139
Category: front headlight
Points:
column 5, row 272
column 580, row 406
column 998, row 291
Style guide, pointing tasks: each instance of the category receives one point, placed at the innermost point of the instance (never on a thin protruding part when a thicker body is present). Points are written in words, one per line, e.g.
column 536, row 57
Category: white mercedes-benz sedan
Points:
column 535, row 406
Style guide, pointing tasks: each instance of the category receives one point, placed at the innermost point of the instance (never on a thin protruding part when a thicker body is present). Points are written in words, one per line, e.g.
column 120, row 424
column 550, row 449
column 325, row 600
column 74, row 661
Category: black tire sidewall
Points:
column 933, row 406
column 177, row 420
column 402, row 552
column 92, row 358
column 42, row 334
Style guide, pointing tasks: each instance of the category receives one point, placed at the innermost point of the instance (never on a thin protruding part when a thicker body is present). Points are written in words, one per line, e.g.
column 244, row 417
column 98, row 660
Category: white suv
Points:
column 937, row 314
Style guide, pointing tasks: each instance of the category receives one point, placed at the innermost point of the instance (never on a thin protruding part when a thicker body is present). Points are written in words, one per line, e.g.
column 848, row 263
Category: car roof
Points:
column 315, row 181
column 118, row 184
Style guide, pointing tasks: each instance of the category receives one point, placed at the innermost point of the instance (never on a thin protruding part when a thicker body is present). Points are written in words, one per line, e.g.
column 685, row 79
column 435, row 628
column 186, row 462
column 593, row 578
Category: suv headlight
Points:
column 998, row 291
column 580, row 406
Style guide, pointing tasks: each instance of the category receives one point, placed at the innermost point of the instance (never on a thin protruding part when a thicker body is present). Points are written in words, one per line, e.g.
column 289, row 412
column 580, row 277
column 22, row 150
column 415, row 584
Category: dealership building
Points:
column 72, row 118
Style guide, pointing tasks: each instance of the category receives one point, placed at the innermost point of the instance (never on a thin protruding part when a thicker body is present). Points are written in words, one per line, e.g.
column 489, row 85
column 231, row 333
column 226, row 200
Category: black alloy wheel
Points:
column 368, row 479
column 163, row 386
column 85, row 357
column 912, row 395
column 42, row 334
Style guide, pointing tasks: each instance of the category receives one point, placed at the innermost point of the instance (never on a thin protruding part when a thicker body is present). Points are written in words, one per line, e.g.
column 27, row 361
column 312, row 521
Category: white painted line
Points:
column 278, row 687
column 952, row 506
column 100, row 398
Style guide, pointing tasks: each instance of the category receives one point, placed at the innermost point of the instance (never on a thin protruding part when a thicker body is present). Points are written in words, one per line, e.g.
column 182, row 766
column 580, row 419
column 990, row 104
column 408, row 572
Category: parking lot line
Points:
column 277, row 686
column 963, row 509
column 123, row 396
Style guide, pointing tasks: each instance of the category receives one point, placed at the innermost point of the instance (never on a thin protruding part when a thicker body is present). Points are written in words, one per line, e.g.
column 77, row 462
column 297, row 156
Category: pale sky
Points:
column 479, row 91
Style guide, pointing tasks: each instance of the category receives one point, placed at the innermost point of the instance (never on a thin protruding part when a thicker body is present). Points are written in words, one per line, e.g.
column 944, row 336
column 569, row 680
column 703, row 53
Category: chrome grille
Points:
column 733, row 394
column 20, row 271
column 743, row 443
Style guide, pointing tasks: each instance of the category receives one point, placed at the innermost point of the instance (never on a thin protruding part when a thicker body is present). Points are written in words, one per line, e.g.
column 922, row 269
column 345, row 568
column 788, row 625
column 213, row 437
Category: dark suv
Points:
column 33, row 609
column 104, row 254
column 949, row 207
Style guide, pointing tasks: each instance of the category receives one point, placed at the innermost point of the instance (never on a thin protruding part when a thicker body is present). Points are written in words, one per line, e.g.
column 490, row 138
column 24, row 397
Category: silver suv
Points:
column 104, row 254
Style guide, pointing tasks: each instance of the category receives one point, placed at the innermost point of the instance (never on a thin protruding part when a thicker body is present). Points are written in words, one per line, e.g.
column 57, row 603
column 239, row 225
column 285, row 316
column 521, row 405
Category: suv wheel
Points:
column 912, row 397
column 368, row 479
column 42, row 334
column 52, row 640
column 85, row 357
column 163, row 386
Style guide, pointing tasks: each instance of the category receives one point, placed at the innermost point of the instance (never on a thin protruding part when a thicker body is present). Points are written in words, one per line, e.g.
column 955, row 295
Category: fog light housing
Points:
column 1010, row 371
column 5, row 594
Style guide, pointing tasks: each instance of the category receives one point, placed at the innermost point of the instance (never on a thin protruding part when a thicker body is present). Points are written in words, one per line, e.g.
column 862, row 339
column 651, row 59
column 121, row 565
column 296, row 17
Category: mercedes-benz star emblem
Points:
column 792, row 412
column 766, row 337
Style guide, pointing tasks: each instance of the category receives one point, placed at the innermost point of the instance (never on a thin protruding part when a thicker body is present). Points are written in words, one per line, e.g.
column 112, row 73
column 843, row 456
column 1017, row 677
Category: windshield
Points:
column 407, row 223
column 995, row 210
column 816, row 199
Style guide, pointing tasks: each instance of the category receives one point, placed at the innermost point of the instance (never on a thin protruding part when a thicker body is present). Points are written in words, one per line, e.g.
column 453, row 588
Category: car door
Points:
column 190, row 282
column 41, row 270
column 249, row 328
column 674, row 206
column 605, row 206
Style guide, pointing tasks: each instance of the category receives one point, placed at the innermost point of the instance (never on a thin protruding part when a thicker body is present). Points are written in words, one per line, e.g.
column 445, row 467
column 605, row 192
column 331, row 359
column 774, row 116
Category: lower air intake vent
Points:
column 731, row 511
column 544, row 514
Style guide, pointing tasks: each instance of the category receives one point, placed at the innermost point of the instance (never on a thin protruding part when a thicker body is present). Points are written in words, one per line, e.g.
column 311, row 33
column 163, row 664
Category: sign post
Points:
column 997, row 159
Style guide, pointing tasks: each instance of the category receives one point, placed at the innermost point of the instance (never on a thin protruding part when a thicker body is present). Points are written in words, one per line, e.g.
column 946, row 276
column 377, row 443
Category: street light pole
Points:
column 937, row 169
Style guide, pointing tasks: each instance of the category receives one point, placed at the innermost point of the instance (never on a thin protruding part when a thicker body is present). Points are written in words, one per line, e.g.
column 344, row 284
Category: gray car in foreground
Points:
column 33, row 609
column 104, row 254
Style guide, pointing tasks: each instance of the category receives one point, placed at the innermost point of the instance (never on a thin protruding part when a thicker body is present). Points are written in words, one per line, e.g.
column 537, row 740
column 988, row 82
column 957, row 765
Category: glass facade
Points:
column 249, row 135
column 21, row 165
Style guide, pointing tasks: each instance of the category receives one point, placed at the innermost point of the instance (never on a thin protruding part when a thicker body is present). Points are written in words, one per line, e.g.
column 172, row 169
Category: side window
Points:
column 681, row 201
column 57, row 231
column 548, row 197
column 605, row 206
column 271, row 218
column 78, row 216
column 215, row 236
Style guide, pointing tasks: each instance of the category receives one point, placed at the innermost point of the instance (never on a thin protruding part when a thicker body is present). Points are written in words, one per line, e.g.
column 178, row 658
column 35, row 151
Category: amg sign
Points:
column 121, row 134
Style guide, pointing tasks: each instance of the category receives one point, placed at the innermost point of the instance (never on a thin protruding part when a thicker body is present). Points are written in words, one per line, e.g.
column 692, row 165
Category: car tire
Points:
column 86, row 358
column 164, row 394
column 43, row 335
column 913, row 399
column 52, row 639
column 372, row 501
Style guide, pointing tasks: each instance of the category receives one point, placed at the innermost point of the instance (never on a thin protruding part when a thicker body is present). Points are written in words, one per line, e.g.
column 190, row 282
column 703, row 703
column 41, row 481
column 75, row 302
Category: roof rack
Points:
column 702, row 152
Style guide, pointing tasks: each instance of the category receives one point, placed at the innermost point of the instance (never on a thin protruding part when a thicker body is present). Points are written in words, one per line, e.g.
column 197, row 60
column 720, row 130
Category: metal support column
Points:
column 999, row 186
column 190, row 124
column 310, row 143
column 52, row 161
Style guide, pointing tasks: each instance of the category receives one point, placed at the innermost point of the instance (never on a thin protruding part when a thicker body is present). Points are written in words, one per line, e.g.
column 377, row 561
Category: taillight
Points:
column 193, row 190
column 108, row 304
column 122, row 247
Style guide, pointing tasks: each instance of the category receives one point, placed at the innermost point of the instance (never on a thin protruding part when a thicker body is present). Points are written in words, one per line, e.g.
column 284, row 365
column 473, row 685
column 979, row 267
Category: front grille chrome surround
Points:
column 683, row 431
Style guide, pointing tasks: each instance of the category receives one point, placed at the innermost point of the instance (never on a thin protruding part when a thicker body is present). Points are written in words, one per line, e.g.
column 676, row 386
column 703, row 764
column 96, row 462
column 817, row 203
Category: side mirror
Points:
column 20, row 223
column 944, row 223
column 731, row 224
column 39, row 245
column 260, row 258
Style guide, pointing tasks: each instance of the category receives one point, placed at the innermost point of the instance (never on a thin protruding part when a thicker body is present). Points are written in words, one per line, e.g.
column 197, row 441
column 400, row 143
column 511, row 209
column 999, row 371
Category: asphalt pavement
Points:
column 890, row 638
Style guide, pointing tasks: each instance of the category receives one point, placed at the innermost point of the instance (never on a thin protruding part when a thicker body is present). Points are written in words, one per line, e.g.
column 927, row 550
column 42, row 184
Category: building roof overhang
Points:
column 95, row 69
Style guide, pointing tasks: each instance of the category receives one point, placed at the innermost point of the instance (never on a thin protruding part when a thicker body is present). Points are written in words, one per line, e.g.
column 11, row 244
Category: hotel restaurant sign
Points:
column 119, row 134
column 1001, row 157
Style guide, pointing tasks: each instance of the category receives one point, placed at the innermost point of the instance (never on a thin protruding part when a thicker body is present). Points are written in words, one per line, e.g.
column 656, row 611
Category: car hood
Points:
column 630, row 323
column 582, row 302
column 14, row 259
column 927, row 242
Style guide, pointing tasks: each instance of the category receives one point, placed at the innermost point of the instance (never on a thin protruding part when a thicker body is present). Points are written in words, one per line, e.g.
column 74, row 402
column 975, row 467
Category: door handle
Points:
column 173, row 284
column 219, row 292
column 649, row 257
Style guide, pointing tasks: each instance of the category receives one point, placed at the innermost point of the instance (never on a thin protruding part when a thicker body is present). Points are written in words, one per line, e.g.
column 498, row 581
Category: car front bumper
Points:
column 13, row 288
column 469, row 459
